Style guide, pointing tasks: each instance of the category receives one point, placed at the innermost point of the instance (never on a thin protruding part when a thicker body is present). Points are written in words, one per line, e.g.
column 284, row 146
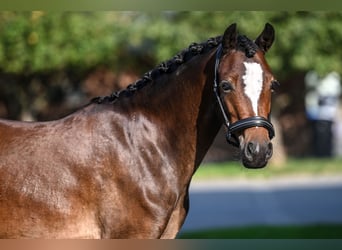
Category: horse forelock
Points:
column 165, row 67
column 246, row 45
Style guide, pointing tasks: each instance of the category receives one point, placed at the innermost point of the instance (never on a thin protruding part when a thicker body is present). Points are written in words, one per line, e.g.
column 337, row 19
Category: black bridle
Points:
column 240, row 125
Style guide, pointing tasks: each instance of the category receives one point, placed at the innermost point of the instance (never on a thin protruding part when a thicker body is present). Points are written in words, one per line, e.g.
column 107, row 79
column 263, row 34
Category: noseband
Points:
column 240, row 125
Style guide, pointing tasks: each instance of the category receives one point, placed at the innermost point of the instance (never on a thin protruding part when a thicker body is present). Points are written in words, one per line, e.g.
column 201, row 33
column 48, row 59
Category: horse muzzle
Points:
column 255, row 153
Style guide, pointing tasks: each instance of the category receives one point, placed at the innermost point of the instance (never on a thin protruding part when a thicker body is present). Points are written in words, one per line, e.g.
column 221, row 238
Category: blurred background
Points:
column 52, row 63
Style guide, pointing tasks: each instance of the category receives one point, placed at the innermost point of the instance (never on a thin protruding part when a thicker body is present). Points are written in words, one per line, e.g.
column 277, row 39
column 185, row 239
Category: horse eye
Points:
column 274, row 85
column 226, row 86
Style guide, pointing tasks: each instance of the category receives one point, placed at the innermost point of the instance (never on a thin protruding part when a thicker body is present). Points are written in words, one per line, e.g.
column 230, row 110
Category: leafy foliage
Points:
column 34, row 42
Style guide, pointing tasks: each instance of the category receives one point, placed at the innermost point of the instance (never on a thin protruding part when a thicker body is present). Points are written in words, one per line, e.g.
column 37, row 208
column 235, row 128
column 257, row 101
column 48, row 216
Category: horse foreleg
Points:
column 177, row 218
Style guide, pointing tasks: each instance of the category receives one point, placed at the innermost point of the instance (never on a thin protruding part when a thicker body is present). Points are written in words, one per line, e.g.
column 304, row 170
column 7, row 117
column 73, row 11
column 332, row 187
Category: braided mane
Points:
column 244, row 44
column 163, row 68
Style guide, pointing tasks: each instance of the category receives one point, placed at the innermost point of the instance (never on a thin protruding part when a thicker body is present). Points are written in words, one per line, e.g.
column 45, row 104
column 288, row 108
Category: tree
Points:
column 33, row 42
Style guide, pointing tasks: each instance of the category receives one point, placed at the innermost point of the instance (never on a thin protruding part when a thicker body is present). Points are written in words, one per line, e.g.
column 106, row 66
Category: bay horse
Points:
column 121, row 166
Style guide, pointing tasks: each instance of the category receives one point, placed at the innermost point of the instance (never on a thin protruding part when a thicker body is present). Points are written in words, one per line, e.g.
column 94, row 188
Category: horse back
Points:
column 45, row 177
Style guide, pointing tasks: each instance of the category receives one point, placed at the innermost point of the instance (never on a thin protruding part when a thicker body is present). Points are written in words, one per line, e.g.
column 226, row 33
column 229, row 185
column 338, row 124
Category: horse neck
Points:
column 184, row 106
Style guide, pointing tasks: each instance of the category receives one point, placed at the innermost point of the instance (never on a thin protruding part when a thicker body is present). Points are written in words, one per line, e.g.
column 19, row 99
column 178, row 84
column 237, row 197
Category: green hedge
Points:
column 33, row 42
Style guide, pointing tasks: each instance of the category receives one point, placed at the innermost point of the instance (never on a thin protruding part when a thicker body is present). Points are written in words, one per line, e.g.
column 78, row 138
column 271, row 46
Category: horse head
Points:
column 243, row 86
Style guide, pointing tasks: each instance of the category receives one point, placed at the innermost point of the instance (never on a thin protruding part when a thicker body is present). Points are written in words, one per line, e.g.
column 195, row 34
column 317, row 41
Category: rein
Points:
column 240, row 125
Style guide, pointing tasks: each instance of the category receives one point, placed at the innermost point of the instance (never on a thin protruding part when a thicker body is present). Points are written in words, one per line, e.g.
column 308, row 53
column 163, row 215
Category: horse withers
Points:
column 121, row 166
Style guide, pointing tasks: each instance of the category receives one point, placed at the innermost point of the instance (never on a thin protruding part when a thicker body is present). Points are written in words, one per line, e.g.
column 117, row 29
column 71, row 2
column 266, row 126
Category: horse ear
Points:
column 266, row 38
column 229, row 39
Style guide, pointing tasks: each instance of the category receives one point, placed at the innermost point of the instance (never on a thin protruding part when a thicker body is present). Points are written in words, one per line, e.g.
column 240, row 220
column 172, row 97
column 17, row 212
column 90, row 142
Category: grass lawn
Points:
column 293, row 167
column 327, row 231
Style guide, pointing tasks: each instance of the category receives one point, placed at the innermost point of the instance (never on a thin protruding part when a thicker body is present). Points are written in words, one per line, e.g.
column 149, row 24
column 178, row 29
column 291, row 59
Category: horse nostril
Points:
column 269, row 150
column 251, row 148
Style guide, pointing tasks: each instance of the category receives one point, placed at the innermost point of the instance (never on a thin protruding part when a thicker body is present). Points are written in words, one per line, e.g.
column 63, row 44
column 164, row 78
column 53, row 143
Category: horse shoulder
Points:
column 138, row 177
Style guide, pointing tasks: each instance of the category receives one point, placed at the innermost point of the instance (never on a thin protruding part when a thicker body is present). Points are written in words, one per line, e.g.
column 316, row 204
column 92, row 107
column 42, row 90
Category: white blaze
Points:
column 253, row 80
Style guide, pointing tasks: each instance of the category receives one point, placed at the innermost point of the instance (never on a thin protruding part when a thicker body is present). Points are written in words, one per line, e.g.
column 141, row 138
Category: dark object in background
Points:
column 322, row 102
column 322, row 138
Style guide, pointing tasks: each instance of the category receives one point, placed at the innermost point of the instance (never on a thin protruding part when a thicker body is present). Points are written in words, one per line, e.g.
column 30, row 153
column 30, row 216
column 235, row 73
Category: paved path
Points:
column 295, row 200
